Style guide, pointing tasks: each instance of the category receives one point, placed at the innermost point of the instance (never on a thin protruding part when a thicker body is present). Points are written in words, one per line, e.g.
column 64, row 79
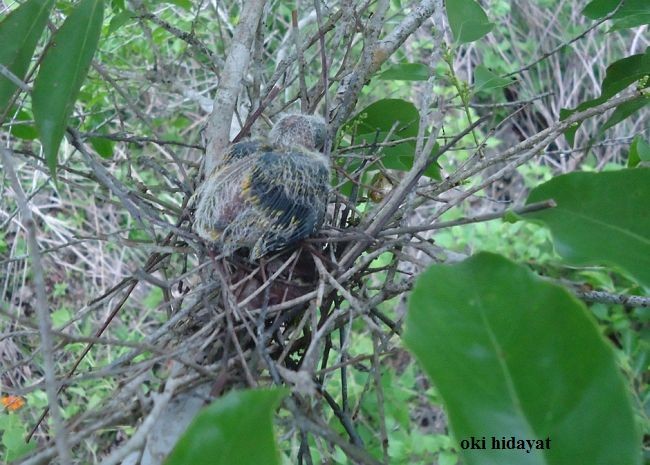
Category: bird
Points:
column 267, row 194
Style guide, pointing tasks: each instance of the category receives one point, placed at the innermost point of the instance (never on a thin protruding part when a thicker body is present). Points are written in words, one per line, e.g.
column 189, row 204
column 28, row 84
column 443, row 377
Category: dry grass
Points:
column 116, row 236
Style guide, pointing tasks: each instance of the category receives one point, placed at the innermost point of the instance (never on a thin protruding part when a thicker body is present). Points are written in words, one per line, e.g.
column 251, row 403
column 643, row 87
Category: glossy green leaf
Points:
column 618, row 76
column 600, row 219
column 513, row 355
column 19, row 34
column 467, row 20
column 484, row 79
column 234, row 429
column 639, row 153
column 401, row 158
column 406, row 72
column 62, row 72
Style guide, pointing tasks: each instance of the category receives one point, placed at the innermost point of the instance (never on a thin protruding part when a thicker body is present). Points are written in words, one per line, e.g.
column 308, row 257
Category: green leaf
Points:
column 139, row 235
column 62, row 72
column 390, row 116
column 406, row 72
column 467, row 20
column 624, row 111
column 185, row 4
column 103, row 146
column 61, row 317
column 622, row 73
column 13, row 437
column 383, row 115
column 618, row 76
column 21, row 129
column 599, row 8
column 401, row 158
column 634, row 10
column 484, row 79
column 154, row 298
column 639, row 152
column 630, row 22
column 631, row 8
column 511, row 217
column 600, row 218
column 234, row 429
column 570, row 133
column 19, row 34
column 513, row 355
column 119, row 20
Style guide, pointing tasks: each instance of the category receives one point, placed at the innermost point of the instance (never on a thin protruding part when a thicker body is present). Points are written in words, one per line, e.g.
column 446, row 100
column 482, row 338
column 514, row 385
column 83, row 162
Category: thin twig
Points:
column 42, row 309
column 613, row 299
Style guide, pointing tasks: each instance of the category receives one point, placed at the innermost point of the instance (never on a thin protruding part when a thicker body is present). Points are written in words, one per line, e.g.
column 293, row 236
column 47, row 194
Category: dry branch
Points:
column 230, row 84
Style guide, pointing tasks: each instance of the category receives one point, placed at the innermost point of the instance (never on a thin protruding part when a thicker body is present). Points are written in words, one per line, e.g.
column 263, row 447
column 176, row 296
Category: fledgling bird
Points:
column 267, row 195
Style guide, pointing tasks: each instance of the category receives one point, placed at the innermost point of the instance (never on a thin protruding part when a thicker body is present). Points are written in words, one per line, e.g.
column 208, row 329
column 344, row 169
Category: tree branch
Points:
column 42, row 310
column 218, row 128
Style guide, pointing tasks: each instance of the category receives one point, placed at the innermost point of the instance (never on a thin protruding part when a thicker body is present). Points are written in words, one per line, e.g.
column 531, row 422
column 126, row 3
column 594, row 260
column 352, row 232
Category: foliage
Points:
column 20, row 32
column 621, row 74
column 432, row 141
column 467, row 20
column 599, row 219
column 221, row 433
column 498, row 381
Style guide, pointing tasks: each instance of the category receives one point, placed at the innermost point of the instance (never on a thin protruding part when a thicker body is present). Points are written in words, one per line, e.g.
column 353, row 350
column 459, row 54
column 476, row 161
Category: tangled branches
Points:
column 223, row 323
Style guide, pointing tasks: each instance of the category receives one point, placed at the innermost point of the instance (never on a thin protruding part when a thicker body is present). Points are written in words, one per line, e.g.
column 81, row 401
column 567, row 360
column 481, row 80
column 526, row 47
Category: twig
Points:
column 564, row 44
column 379, row 390
column 468, row 220
column 188, row 37
column 218, row 128
column 610, row 298
column 140, row 436
column 323, row 59
column 139, row 139
column 380, row 52
column 304, row 104
column 44, row 321
column 85, row 352
column 392, row 202
column 6, row 72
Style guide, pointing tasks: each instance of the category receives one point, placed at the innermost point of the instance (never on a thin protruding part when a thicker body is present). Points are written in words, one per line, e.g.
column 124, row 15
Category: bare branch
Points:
column 42, row 309
column 613, row 299
column 377, row 53
column 218, row 128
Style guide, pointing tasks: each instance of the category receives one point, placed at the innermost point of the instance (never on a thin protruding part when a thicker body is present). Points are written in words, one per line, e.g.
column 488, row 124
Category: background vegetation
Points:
column 456, row 129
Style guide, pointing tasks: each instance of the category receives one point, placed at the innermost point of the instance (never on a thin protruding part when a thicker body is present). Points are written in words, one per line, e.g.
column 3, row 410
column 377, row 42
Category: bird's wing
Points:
column 221, row 195
column 290, row 189
column 243, row 149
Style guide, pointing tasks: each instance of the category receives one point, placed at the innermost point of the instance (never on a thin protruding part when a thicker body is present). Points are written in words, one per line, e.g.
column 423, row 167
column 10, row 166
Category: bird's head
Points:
column 292, row 130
